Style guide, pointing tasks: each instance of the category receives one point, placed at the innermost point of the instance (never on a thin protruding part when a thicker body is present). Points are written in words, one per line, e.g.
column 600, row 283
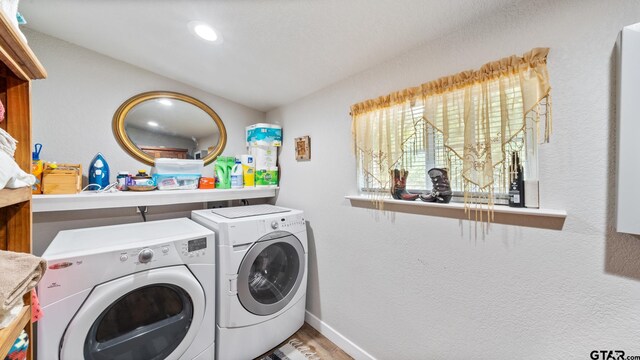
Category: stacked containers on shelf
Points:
column 263, row 141
column 177, row 174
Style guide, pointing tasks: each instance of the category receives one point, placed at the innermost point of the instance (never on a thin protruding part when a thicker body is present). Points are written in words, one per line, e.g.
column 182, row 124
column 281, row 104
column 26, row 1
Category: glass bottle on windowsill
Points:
column 516, row 185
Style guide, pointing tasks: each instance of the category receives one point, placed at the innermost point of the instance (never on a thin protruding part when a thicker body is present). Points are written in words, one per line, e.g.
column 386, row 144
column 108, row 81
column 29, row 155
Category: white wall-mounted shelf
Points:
column 540, row 218
column 92, row 200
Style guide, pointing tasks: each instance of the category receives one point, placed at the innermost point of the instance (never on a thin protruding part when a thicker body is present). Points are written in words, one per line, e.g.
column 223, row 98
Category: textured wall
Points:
column 405, row 286
column 72, row 114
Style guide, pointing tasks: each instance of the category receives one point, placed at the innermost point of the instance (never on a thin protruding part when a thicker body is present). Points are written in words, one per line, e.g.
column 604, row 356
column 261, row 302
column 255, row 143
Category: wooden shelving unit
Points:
column 17, row 68
column 13, row 330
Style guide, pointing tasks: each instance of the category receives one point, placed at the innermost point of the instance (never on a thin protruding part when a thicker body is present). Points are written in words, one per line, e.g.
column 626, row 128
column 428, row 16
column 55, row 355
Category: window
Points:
column 470, row 123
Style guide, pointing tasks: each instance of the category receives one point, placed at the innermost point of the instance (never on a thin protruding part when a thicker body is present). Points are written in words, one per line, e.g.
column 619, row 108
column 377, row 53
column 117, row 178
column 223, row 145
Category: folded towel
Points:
column 11, row 176
column 7, row 143
column 1, row 111
column 20, row 347
column 19, row 274
column 7, row 317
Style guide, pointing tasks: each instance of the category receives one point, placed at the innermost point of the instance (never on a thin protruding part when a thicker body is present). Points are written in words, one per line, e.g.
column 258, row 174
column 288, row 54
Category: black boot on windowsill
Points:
column 441, row 191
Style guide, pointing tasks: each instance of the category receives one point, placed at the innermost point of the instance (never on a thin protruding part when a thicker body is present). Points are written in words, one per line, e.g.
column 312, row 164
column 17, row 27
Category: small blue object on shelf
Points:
column 19, row 349
column 98, row 173
column 20, row 18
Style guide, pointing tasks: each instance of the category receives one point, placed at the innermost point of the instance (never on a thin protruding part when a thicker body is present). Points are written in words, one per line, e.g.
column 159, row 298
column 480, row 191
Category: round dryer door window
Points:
column 147, row 323
column 153, row 315
column 271, row 273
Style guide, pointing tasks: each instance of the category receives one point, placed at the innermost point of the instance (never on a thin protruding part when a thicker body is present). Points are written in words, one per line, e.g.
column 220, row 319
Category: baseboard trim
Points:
column 330, row 333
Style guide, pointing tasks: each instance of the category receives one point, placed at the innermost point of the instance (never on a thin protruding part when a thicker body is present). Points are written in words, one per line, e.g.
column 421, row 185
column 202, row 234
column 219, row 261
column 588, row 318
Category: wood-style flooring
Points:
column 319, row 344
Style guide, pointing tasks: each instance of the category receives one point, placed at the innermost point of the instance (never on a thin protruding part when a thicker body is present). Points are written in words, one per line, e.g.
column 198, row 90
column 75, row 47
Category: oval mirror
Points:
column 165, row 124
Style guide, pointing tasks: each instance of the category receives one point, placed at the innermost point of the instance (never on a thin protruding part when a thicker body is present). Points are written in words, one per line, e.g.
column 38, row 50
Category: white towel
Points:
column 7, row 143
column 11, row 176
column 8, row 316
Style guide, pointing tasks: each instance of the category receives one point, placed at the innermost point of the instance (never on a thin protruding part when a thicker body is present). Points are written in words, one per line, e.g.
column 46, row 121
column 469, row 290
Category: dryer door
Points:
column 150, row 315
column 270, row 273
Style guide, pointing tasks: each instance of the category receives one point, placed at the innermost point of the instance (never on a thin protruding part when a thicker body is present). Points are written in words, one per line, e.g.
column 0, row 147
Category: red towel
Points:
column 36, row 310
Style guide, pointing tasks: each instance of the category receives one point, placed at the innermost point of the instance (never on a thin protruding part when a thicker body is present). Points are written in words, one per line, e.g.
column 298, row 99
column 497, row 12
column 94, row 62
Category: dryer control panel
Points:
column 194, row 250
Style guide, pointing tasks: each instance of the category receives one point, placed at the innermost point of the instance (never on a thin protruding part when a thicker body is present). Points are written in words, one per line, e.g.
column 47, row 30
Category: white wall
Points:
column 72, row 114
column 405, row 286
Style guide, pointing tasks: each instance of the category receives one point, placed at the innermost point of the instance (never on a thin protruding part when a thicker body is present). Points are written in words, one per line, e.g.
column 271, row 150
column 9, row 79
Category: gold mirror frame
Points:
column 135, row 152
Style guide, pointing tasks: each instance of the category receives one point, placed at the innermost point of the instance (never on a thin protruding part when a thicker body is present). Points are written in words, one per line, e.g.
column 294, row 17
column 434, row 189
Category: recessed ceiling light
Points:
column 205, row 31
column 152, row 123
column 165, row 102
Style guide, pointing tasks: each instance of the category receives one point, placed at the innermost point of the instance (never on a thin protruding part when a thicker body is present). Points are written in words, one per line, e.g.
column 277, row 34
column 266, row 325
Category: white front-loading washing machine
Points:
column 143, row 291
column 261, row 278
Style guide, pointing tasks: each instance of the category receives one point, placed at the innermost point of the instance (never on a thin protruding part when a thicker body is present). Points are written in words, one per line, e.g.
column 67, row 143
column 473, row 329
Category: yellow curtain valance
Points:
column 470, row 123
column 535, row 60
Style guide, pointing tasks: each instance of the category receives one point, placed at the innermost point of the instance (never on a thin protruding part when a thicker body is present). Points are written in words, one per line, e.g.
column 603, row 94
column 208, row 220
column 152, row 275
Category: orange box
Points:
column 207, row 183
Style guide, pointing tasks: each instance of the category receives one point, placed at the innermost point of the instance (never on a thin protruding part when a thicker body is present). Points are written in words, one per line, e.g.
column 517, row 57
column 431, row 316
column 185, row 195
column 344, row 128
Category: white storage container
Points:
column 176, row 182
column 177, row 167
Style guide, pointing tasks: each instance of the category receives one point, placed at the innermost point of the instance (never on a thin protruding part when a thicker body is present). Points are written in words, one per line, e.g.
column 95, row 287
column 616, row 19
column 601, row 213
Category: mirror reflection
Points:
column 170, row 128
column 164, row 124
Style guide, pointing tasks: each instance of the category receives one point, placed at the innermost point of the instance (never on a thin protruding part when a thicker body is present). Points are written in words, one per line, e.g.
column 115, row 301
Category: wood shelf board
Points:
column 91, row 200
column 14, row 196
column 9, row 334
column 16, row 54
column 538, row 218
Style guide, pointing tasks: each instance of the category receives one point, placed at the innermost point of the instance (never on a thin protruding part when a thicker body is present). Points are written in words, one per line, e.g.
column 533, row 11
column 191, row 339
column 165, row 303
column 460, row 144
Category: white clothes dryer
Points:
column 262, row 277
column 143, row 291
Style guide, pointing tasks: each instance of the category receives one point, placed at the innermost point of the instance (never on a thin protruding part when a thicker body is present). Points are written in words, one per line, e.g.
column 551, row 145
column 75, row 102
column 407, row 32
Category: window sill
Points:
column 538, row 218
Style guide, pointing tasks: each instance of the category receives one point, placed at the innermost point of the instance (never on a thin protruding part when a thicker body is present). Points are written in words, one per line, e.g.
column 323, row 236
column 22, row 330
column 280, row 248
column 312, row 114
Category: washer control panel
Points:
column 195, row 247
column 290, row 223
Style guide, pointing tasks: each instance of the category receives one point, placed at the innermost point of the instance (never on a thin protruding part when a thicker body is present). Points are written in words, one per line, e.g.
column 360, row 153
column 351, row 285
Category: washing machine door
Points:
column 270, row 273
column 150, row 315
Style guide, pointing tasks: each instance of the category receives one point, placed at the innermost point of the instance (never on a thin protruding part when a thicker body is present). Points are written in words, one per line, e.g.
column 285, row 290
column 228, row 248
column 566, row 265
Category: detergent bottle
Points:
column 37, row 167
column 223, row 167
column 237, row 175
column 98, row 173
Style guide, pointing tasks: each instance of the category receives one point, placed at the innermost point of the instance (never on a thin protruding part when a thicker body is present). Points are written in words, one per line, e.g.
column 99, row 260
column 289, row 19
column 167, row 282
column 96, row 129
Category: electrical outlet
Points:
column 144, row 209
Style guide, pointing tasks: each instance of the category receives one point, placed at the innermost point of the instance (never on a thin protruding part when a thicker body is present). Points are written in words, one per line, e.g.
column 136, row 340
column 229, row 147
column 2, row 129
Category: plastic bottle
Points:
column 237, row 176
column 37, row 167
column 123, row 180
column 249, row 170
